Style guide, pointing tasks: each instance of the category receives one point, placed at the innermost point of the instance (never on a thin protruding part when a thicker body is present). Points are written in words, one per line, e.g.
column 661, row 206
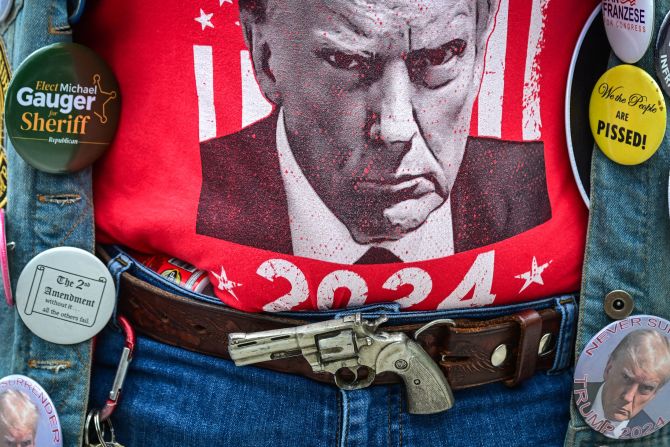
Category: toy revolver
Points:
column 342, row 347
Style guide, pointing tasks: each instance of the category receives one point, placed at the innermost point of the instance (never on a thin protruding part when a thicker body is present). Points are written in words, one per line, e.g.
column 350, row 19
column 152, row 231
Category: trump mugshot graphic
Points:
column 367, row 154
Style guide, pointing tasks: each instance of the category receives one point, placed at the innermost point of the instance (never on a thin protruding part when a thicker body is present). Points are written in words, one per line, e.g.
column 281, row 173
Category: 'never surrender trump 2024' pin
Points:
column 620, row 385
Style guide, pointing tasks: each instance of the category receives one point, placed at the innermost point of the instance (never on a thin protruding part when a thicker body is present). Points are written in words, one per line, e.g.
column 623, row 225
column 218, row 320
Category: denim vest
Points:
column 628, row 242
column 628, row 248
column 45, row 211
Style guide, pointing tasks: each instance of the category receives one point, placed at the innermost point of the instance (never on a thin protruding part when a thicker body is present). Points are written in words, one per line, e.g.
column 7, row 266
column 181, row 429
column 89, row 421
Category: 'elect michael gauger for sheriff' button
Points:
column 66, row 103
column 63, row 108
column 627, row 115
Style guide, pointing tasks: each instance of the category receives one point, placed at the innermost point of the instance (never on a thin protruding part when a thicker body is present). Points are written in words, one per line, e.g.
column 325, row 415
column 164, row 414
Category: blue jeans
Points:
column 176, row 397
column 173, row 397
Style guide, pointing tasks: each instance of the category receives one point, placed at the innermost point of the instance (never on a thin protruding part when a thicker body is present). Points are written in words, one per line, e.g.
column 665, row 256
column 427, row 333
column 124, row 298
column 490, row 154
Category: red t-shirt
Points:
column 355, row 155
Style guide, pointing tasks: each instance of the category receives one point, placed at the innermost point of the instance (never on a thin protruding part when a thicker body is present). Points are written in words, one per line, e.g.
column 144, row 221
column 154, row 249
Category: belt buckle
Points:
column 342, row 347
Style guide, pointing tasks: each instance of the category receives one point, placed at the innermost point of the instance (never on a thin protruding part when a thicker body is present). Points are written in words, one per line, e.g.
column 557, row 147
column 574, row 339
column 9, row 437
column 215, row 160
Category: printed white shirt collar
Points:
column 317, row 233
column 598, row 409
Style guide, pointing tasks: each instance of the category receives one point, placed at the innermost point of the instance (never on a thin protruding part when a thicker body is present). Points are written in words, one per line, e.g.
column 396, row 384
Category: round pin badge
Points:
column 630, row 26
column 620, row 379
column 28, row 417
column 627, row 115
column 65, row 295
column 589, row 61
column 62, row 108
column 661, row 53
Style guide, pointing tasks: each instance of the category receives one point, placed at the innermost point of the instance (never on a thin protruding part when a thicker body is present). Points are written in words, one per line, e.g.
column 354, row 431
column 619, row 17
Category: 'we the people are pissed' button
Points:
column 627, row 115
column 62, row 108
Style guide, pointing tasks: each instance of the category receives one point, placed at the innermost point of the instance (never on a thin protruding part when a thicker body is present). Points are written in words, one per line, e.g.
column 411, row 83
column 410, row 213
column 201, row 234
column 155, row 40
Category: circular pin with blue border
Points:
column 65, row 295
column 620, row 385
column 28, row 417
column 62, row 108
column 661, row 54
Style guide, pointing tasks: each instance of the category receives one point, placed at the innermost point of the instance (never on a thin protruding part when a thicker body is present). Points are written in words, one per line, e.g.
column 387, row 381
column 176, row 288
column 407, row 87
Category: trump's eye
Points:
column 432, row 67
column 345, row 61
column 646, row 389
column 442, row 55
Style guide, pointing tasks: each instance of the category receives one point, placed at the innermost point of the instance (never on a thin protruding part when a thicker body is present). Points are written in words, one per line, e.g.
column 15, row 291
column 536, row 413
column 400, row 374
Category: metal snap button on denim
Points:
column 62, row 108
column 618, row 304
column 65, row 295
column 28, row 417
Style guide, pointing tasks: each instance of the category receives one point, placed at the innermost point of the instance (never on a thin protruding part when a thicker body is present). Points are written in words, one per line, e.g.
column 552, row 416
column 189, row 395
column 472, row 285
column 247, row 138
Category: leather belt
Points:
column 463, row 350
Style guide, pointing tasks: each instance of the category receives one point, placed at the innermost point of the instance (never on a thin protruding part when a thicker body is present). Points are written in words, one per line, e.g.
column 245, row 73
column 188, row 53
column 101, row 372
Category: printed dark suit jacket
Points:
column 500, row 191
column 640, row 419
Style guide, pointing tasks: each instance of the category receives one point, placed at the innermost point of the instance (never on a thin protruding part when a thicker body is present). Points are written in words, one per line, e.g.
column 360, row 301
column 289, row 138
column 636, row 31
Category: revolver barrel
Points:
column 246, row 349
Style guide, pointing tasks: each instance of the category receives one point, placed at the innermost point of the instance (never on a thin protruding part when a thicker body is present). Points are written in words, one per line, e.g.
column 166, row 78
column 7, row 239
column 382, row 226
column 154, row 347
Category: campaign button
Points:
column 28, row 417
column 65, row 295
column 629, row 26
column 62, row 108
column 620, row 379
column 627, row 115
column 661, row 54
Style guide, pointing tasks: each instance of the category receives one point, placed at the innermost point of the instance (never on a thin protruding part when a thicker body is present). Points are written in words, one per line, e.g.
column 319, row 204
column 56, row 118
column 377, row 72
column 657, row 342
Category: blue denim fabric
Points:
column 176, row 397
column 44, row 211
column 628, row 248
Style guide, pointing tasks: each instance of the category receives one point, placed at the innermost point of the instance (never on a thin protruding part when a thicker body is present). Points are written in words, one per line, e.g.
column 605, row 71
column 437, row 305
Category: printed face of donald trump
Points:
column 377, row 97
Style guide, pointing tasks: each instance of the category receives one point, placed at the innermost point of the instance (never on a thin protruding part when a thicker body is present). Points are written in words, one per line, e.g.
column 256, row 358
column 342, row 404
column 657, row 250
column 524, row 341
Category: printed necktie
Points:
column 378, row 255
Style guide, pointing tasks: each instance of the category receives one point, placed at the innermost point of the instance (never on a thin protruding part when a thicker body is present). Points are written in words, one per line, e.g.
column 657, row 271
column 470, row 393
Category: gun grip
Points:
column 428, row 391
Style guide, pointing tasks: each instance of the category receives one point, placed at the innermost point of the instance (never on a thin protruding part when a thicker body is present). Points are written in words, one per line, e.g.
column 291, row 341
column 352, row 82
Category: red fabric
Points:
column 148, row 185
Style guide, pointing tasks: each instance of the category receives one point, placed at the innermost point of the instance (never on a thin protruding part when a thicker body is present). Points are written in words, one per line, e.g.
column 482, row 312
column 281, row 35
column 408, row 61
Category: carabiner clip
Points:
column 121, row 371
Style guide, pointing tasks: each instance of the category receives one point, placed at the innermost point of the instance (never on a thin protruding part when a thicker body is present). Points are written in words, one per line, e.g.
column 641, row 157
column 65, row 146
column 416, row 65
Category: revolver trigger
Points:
column 347, row 378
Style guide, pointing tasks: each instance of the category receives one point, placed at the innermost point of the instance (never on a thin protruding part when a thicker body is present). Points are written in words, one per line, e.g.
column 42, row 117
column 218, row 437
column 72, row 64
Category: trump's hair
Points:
column 646, row 349
column 257, row 7
column 17, row 412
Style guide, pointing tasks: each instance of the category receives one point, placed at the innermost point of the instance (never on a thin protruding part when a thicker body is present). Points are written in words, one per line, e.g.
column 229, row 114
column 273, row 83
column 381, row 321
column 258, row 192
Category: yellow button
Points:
column 627, row 115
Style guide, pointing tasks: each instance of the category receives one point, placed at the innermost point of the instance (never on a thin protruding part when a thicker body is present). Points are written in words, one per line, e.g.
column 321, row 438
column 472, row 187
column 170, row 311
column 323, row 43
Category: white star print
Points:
column 221, row 2
column 205, row 19
column 534, row 275
column 226, row 284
